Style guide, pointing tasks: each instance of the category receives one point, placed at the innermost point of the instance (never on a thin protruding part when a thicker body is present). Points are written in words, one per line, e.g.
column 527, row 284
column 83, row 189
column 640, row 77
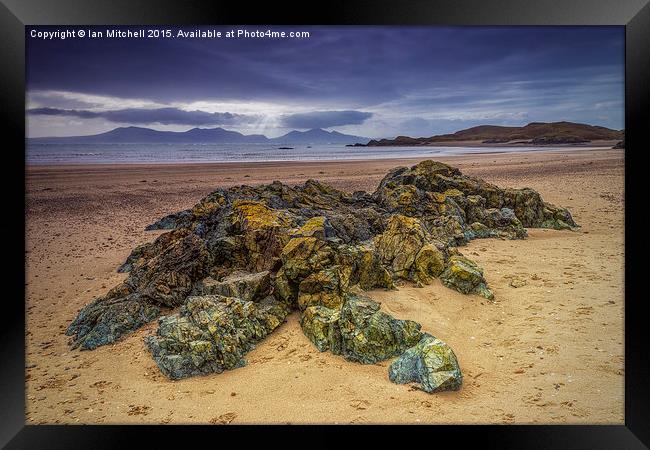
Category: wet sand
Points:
column 550, row 351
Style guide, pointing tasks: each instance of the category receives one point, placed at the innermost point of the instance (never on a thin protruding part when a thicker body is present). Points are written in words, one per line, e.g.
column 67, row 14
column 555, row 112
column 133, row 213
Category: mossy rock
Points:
column 320, row 325
column 212, row 333
column 431, row 364
column 399, row 245
column 369, row 335
column 429, row 263
column 465, row 276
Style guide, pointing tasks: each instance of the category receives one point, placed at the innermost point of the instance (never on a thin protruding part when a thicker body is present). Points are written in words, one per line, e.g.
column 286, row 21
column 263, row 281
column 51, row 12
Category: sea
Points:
column 64, row 154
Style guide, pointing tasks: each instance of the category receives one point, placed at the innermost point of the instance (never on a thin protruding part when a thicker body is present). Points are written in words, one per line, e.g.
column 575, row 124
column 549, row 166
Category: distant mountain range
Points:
column 139, row 135
column 535, row 133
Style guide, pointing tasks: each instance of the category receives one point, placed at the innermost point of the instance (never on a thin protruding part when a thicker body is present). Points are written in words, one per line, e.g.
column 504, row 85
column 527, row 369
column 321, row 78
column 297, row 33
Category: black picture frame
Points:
column 633, row 14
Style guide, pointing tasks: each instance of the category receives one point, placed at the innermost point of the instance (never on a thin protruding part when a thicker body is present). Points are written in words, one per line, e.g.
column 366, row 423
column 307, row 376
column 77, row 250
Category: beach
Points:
column 548, row 351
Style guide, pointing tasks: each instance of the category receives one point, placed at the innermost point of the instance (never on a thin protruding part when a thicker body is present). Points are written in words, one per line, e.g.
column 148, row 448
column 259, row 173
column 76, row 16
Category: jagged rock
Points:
column 408, row 252
column 272, row 248
column 325, row 288
column 321, row 326
column 465, row 276
column 400, row 243
column 165, row 279
column 171, row 221
column 212, row 333
column 369, row 335
column 318, row 227
column 242, row 285
column 136, row 255
column 431, row 363
column 358, row 330
column 439, row 178
column 263, row 232
column 364, row 267
column 105, row 320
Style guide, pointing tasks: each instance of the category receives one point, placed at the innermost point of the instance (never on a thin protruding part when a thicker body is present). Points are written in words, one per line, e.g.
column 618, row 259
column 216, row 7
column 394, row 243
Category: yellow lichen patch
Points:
column 407, row 195
column 429, row 262
column 400, row 222
column 252, row 214
column 332, row 300
column 307, row 243
column 439, row 197
column 430, row 167
column 453, row 193
column 208, row 207
column 313, row 227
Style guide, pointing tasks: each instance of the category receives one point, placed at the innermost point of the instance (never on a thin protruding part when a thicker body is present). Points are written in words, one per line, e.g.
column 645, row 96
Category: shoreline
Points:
column 498, row 149
column 274, row 163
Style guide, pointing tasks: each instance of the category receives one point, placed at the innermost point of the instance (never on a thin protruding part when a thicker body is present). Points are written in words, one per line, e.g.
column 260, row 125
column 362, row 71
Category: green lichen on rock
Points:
column 212, row 333
column 321, row 326
column 239, row 260
column 369, row 335
column 105, row 320
column 359, row 330
column 431, row 364
column 465, row 276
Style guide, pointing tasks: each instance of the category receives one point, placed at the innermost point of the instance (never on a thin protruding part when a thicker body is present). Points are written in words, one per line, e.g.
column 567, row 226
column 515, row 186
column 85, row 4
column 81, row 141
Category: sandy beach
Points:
column 551, row 351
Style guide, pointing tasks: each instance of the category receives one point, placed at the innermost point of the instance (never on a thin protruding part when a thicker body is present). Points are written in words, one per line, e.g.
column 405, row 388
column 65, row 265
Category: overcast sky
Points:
column 367, row 81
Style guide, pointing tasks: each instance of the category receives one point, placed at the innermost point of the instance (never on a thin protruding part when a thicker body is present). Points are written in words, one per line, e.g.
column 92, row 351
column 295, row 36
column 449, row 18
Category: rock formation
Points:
column 238, row 262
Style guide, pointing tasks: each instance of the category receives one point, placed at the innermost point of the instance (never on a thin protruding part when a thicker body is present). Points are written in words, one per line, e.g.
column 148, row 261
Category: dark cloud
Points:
column 324, row 119
column 164, row 116
column 400, row 72
column 362, row 66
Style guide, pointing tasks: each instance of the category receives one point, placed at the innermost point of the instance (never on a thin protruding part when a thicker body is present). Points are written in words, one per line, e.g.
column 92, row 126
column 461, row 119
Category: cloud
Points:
column 164, row 116
column 324, row 119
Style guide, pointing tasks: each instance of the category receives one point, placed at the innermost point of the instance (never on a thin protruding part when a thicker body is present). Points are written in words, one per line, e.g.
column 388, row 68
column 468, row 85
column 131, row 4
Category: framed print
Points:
column 387, row 214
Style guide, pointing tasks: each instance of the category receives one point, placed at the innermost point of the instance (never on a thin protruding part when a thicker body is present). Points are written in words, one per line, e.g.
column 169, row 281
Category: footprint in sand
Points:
column 575, row 411
column 358, row 419
column 360, row 404
column 224, row 419
column 139, row 410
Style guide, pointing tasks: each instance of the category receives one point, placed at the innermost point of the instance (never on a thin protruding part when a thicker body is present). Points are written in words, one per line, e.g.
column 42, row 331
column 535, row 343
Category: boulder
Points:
column 465, row 276
column 359, row 330
column 165, row 279
column 369, row 335
column 431, row 364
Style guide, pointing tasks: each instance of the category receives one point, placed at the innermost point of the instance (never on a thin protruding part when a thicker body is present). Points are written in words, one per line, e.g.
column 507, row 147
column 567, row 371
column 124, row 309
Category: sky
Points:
column 368, row 81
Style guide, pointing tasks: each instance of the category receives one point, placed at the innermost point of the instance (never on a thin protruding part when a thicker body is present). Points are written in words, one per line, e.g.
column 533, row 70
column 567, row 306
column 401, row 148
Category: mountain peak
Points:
column 140, row 135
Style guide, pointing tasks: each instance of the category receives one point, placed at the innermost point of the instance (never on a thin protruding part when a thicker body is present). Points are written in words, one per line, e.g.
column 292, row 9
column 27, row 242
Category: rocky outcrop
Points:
column 232, row 267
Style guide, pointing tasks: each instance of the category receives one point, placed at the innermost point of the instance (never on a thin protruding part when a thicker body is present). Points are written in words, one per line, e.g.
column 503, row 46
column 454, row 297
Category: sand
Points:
column 550, row 351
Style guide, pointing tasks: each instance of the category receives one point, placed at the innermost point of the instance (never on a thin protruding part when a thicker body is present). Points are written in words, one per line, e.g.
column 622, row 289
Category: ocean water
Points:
column 41, row 154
